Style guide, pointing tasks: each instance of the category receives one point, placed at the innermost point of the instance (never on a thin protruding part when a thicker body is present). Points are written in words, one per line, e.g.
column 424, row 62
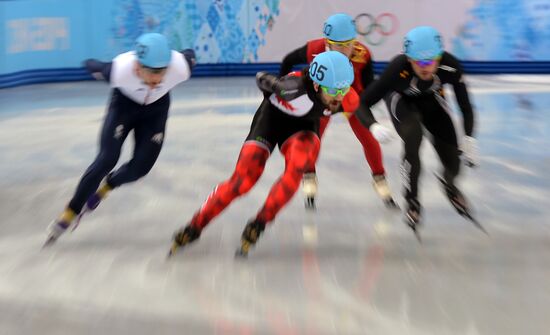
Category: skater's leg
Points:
column 373, row 153
column 149, row 131
column 300, row 150
column 443, row 137
column 410, row 130
column 115, row 129
column 449, row 155
column 407, row 121
column 371, row 147
column 309, row 181
column 149, row 136
column 323, row 124
column 250, row 166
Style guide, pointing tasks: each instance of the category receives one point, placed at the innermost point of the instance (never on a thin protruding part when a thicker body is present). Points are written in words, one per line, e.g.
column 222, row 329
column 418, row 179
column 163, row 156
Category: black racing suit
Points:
column 415, row 105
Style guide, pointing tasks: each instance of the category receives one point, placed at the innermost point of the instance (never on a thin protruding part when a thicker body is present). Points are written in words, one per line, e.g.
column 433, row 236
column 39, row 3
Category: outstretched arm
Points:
column 287, row 87
column 463, row 100
column 296, row 57
column 189, row 55
column 376, row 90
column 469, row 143
column 369, row 97
column 99, row 70
column 367, row 74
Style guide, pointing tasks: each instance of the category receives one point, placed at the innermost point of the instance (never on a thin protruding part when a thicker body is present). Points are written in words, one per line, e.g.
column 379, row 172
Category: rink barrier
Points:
column 29, row 77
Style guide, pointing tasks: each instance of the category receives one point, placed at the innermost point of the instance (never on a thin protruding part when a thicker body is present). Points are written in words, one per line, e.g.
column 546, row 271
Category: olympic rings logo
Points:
column 375, row 30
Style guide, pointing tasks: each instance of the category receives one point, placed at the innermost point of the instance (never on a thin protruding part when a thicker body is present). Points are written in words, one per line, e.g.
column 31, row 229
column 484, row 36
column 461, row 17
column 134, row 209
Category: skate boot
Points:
column 383, row 190
column 58, row 226
column 455, row 197
column 55, row 230
column 250, row 236
column 183, row 237
column 92, row 202
column 309, row 186
column 459, row 202
column 413, row 216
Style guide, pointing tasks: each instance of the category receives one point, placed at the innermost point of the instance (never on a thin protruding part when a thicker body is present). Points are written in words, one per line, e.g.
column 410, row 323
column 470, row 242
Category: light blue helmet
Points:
column 339, row 27
column 331, row 69
column 153, row 51
column 423, row 42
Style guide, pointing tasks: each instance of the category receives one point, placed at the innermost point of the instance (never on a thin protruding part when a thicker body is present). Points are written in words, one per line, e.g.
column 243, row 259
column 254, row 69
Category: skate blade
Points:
column 310, row 203
column 440, row 179
column 466, row 214
column 476, row 223
column 51, row 240
column 416, row 233
column 463, row 212
column 173, row 249
column 414, row 226
column 76, row 223
column 241, row 254
column 391, row 204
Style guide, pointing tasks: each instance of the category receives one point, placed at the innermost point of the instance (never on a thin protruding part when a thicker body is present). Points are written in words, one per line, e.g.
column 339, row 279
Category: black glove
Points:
column 190, row 57
column 99, row 70
column 265, row 81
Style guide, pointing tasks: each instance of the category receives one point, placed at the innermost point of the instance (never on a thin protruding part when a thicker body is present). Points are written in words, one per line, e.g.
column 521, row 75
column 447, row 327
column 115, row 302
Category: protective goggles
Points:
column 426, row 62
column 335, row 91
column 341, row 44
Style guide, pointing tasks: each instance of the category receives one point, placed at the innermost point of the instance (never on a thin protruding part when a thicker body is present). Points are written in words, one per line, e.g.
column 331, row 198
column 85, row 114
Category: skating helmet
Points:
column 153, row 51
column 423, row 42
column 331, row 69
column 339, row 27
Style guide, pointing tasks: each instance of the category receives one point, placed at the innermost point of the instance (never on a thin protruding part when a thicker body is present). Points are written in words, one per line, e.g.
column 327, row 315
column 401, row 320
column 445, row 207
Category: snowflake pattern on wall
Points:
column 220, row 31
column 506, row 30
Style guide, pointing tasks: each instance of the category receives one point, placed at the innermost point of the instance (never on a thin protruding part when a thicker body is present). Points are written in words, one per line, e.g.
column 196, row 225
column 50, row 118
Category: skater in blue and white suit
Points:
column 141, row 81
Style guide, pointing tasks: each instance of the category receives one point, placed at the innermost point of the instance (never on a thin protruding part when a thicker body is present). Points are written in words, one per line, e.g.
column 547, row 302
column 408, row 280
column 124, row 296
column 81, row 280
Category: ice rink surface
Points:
column 351, row 267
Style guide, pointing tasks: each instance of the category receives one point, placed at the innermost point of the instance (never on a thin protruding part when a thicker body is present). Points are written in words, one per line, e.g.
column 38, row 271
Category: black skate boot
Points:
column 250, row 236
column 183, row 237
column 413, row 217
column 309, row 186
column 458, row 201
column 383, row 190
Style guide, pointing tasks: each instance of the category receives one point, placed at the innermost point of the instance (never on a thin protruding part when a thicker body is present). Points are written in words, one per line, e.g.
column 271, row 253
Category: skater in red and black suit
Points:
column 339, row 35
column 288, row 117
